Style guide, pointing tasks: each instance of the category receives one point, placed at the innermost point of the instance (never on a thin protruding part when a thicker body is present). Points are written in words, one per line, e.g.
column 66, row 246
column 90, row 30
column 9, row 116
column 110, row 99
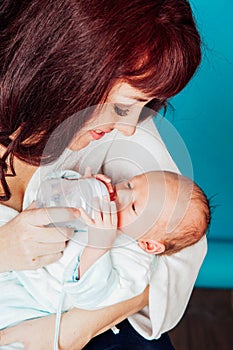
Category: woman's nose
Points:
column 126, row 129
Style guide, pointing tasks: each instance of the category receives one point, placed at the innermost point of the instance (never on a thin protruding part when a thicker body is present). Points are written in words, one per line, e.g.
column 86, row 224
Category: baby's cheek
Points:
column 126, row 222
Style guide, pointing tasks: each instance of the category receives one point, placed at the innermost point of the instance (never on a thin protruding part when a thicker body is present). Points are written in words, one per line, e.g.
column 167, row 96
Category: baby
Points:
column 173, row 211
column 154, row 213
column 164, row 211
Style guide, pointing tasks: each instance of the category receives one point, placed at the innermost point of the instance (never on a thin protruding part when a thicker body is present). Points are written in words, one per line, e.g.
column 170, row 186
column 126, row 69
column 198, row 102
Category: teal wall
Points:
column 203, row 117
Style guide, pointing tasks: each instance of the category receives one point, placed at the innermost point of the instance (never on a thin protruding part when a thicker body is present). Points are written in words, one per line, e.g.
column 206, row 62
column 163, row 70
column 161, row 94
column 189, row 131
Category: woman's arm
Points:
column 78, row 327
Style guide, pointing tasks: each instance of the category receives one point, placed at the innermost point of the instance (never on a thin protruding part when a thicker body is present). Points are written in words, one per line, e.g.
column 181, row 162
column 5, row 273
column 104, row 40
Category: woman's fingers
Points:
column 53, row 234
column 46, row 249
column 47, row 259
column 46, row 216
column 29, row 246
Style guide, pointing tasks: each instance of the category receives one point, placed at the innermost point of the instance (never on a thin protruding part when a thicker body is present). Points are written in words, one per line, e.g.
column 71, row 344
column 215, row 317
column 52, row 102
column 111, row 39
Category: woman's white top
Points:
column 122, row 157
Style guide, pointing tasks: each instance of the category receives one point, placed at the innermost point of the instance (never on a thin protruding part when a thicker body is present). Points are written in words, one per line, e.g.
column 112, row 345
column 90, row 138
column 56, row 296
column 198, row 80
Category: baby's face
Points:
column 139, row 203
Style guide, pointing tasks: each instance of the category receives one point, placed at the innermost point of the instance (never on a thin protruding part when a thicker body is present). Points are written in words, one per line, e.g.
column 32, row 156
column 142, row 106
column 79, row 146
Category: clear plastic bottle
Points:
column 71, row 192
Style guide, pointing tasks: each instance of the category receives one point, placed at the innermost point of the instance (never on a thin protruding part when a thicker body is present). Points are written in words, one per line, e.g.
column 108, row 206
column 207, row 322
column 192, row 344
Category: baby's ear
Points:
column 151, row 246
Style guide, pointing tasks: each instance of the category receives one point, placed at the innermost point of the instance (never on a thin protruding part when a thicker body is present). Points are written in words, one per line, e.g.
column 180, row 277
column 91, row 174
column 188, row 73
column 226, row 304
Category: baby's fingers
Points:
column 103, row 178
column 97, row 213
column 106, row 212
column 109, row 213
column 86, row 217
column 114, row 218
column 46, row 216
column 87, row 172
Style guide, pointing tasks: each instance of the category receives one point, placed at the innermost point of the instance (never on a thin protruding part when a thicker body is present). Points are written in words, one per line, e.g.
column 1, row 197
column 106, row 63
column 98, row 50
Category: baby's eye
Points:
column 133, row 207
column 120, row 111
column 128, row 185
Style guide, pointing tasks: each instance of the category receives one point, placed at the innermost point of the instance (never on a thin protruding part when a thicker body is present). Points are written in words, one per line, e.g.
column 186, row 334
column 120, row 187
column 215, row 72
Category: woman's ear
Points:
column 151, row 246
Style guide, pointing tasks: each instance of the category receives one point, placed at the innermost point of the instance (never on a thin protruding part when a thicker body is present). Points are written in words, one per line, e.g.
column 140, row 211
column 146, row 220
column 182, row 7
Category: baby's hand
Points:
column 103, row 178
column 87, row 173
column 102, row 229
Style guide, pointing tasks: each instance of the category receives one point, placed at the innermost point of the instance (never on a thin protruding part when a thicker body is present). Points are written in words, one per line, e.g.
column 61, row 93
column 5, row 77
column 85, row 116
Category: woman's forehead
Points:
column 128, row 93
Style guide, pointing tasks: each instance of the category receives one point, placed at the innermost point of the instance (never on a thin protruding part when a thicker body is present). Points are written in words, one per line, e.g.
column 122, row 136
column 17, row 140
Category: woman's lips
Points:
column 97, row 135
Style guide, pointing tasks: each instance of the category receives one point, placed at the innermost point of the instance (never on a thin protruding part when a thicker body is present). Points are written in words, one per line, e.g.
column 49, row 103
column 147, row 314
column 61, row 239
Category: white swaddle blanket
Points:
column 122, row 157
column 120, row 274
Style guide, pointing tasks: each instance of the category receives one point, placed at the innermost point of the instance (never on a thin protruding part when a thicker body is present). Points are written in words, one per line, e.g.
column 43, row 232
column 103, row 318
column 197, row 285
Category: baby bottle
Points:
column 72, row 192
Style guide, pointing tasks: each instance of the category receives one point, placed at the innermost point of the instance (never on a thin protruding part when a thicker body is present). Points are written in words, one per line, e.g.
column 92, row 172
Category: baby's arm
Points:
column 120, row 274
column 102, row 231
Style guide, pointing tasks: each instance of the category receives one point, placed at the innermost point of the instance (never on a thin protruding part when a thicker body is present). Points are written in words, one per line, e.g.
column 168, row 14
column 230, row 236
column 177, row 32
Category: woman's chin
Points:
column 80, row 143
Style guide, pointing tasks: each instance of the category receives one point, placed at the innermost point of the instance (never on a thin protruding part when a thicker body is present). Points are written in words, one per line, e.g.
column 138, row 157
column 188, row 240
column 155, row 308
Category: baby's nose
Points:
column 124, row 197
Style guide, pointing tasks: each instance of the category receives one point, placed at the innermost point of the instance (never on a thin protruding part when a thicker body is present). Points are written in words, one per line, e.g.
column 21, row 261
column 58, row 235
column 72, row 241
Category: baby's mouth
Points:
column 111, row 190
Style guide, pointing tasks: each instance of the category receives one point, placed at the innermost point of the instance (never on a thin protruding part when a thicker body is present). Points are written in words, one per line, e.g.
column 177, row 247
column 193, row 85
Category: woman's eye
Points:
column 121, row 112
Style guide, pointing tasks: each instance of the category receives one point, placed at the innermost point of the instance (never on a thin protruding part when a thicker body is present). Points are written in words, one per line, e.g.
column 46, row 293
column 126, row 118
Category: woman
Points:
column 59, row 58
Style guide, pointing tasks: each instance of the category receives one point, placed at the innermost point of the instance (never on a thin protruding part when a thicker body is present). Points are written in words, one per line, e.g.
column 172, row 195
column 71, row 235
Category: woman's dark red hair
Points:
column 59, row 57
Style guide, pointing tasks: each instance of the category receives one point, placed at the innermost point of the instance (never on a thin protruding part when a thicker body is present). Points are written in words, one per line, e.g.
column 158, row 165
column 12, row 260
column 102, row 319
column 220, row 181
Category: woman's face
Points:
column 121, row 111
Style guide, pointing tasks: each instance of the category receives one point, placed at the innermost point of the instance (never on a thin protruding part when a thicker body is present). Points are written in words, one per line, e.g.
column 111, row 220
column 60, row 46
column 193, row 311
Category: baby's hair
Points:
column 195, row 221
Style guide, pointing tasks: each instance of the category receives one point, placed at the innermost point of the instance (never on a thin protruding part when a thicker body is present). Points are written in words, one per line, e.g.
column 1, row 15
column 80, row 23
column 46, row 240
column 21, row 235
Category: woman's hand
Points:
column 26, row 243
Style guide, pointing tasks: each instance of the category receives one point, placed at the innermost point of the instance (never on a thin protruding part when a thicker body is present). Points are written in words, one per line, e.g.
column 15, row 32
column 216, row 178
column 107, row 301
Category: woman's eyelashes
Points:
column 120, row 111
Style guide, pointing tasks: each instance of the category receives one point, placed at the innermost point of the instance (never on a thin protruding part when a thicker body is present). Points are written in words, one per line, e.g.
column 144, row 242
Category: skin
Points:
column 121, row 111
column 26, row 230
column 140, row 203
column 132, row 213
column 153, row 205
column 77, row 327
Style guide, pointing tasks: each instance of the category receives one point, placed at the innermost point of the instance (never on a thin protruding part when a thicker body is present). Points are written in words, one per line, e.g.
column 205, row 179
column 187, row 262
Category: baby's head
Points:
column 164, row 211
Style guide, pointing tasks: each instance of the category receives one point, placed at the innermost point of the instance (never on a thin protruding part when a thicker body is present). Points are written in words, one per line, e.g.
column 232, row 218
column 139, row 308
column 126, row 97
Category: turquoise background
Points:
column 203, row 117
